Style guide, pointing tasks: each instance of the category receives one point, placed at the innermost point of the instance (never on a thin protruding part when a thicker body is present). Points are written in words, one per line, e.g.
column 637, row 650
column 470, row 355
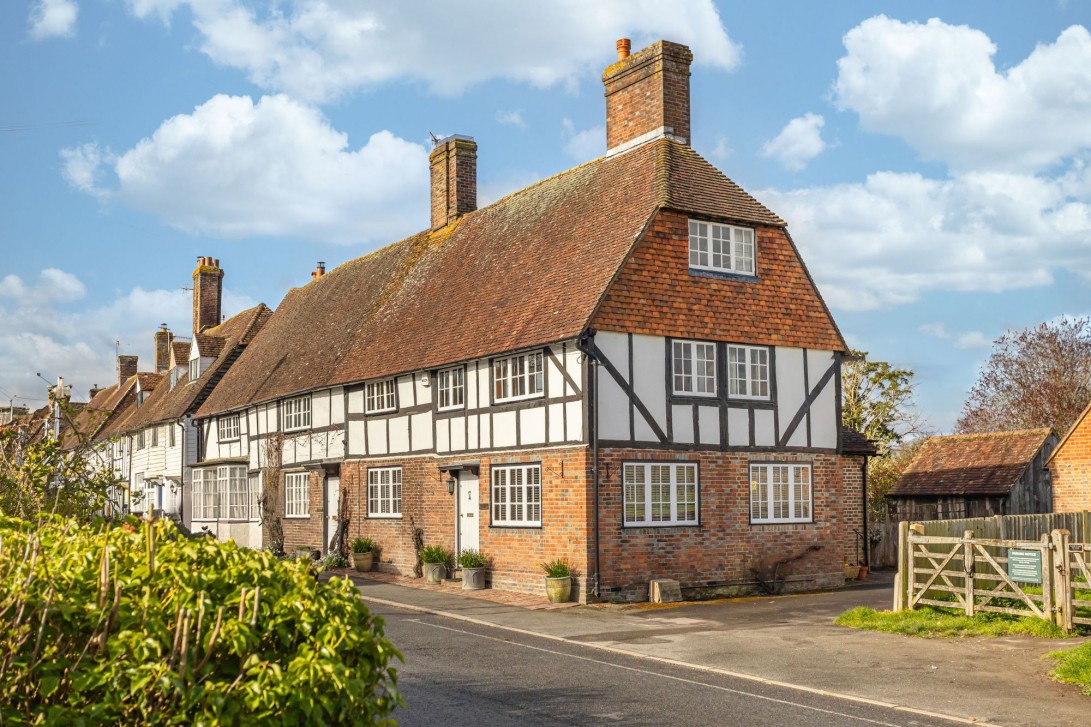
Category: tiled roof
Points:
column 853, row 442
column 94, row 418
column 970, row 464
column 180, row 352
column 526, row 270
column 166, row 404
column 210, row 345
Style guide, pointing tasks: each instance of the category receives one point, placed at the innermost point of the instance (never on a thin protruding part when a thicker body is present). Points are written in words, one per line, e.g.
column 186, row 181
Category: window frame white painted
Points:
column 139, row 486
column 770, row 499
column 748, row 369
column 303, row 414
column 391, row 499
column 447, row 387
column 140, row 442
column 194, row 369
column 233, row 491
column 155, row 435
column 692, row 346
column 504, row 376
column 228, row 427
column 381, row 402
column 716, row 230
column 502, row 500
column 297, row 495
column 172, row 436
column 647, row 504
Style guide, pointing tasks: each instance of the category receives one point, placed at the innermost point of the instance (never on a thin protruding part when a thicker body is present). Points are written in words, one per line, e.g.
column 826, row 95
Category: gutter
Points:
column 586, row 344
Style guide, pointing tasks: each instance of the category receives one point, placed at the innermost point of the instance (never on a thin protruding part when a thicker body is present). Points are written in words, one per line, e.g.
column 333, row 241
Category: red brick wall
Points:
column 655, row 294
column 453, row 165
column 1071, row 470
column 713, row 557
column 305, row 532
column 646, row 91
column 207, row 287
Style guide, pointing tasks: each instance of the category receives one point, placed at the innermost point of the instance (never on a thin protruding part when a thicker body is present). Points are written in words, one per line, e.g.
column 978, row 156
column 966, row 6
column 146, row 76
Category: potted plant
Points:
column 473, row 564
column 435, row 559
column 558, row 580
column 852, row 571
column 363, row 554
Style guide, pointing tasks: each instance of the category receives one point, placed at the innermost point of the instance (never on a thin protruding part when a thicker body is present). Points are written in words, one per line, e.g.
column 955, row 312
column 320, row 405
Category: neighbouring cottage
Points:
column 977, row 475
column 1070, row 465
column 626, row 365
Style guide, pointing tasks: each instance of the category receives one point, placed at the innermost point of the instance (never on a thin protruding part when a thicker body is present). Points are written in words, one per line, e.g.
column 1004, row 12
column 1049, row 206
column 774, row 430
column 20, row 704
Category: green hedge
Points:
column 139, row 625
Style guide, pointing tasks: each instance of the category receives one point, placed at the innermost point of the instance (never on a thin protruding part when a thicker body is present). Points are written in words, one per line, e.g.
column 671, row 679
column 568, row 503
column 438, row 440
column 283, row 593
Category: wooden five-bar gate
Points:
column 1044, row 578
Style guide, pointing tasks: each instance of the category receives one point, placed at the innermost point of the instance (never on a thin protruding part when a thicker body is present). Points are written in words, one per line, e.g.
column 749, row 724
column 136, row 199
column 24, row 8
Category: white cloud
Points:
column 583, row 145
column 723, row 149
column 511, row 118
column 41, row 332
column 967, row 339
column 895, row 237
column 53, row 19
column 936, row 86
column 798, row 143
column 276, row 167
column 320, row 49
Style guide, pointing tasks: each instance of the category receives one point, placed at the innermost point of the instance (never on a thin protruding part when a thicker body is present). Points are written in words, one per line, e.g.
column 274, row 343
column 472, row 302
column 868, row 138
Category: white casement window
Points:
column 780, row 493
column 297, row 413
column 234, row 488
column 297, row 495
column 748, row 372
column 384, row 492
column 452, row 388
column 660, row 494
column 721, row 248
column 253, row 481
column 518, row 377
column 151, row 496
column 205, row 495
column 140, row 439
column 694, row 368
column 228, row 427
column 380, row 396
column 139, row 499
column 194, row 369
column 517, row 495
column 155, row 436
column 170, row 435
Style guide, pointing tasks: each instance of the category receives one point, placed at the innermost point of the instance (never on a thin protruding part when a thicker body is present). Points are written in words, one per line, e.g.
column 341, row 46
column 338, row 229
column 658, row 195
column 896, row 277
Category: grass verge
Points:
column 1074, row 666
column 935, row 622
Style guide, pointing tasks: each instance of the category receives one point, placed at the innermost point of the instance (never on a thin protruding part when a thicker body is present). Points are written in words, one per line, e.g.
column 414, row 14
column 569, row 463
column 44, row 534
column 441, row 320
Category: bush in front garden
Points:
column 135, row 624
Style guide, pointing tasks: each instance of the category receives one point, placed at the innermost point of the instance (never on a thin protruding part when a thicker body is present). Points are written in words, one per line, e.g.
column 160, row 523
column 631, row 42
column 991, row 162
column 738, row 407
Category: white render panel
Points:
column 824, row 424
column 818, row 362
column 575, row 421
column 532, row 426
column 709, row 421
column 443, row 435
column 399, row 434
column 320, row 409
column 799, row 437
column 556, row 383
column 471, row 431
column 356, row 429
column 790, row 391
column 483, row 384
column 504, row 429
column 335, row 448
column 356, row 401
column 472, row 387
column 682, row 418
column 649, row 382
column 421, row 425
column 376, row 437
column 556, row 422
column 486, row 432
column 616, row 348
column 405, row 394
column 613, row 407
column 643, row 431
column 337, row 405
column 458, row 433
column 764, row 428
column 738, row 428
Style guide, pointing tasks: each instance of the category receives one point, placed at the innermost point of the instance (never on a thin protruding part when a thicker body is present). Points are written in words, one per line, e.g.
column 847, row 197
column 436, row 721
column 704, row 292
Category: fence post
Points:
column 968, row 566
column 1049, row 559
column 901, row 578
column 1062, row 584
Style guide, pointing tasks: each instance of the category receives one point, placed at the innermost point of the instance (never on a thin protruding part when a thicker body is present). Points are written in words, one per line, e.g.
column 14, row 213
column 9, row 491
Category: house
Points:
column 977, row 475
column 155, row 443
column 626, row 365
column 1070, row 465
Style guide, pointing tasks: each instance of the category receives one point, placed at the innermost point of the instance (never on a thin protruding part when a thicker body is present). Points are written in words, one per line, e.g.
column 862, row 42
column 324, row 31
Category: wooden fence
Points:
column 1048, row 577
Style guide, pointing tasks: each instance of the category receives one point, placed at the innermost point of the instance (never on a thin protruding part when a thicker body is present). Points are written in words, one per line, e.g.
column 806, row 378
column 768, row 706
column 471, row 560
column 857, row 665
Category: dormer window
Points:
column 194, row 369
column 721, row 248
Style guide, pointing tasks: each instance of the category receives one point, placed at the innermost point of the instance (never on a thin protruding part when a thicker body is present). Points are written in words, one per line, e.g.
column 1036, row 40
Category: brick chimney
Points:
column 126, row 367
column 319, row 271
column 207, row 289
column 647, row 93
column 163, row 339
column 454, row 179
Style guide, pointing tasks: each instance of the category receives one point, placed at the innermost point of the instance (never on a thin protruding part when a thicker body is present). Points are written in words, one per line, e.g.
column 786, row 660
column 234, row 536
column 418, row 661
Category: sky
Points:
column 930, row 158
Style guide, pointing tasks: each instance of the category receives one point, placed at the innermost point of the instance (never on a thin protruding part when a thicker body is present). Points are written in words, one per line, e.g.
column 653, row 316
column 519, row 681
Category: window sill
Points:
column 515, row 526
column 297, row 517
column 525, row 397
column 296, row 430
column 773, row 524
column 723, row 274
column 659, row 526
column 692, row 395
column 383, row 517
column 457, row 407
column 373, row 412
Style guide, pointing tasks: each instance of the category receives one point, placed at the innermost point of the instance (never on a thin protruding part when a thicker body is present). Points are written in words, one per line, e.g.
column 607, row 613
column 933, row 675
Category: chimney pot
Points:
column 454, row 179
column 319, row 271
column 624, row 45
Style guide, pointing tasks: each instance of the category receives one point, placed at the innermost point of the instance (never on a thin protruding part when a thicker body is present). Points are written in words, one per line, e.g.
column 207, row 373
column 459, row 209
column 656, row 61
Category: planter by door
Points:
column 852, row 572
column 363, row 561
column 473, row 579
column 559, row 590
column 434, row 572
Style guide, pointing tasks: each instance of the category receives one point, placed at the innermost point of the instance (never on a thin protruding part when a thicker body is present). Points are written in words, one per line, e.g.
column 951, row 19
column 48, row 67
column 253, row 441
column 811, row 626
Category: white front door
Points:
column 333, row 503
column 468, row 515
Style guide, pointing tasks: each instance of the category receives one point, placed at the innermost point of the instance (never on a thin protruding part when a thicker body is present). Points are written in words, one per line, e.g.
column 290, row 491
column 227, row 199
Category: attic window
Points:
column 194, row 370
column 721, row 248
column 518, row 377
column 297, row 413
column 380, row 397
column 228, row 427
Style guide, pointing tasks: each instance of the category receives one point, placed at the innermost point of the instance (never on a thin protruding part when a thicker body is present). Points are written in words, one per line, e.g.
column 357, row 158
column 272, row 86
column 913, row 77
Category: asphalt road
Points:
column 457, row 673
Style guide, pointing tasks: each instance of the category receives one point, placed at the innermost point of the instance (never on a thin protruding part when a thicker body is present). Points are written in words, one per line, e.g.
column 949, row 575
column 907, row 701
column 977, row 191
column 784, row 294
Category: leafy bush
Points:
column 138, row 625
column 471, row 558
column 364, row 545
column 558, row 568
column 435, row 554
column 334, row 560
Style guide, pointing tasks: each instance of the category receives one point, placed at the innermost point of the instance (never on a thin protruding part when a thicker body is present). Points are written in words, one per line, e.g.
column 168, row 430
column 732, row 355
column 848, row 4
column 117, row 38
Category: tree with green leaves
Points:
column 1036, row 377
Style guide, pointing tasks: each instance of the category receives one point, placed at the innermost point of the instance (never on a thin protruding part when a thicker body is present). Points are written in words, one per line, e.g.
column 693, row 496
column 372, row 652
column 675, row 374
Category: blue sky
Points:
column 931, row 158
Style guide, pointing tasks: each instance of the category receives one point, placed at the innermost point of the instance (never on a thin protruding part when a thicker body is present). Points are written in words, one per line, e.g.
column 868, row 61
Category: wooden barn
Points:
column 977, row 475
